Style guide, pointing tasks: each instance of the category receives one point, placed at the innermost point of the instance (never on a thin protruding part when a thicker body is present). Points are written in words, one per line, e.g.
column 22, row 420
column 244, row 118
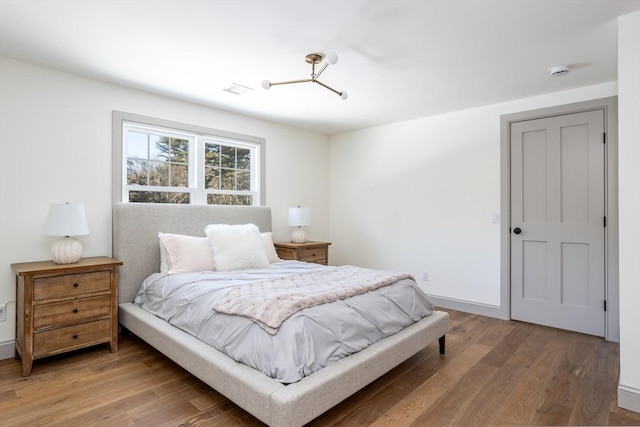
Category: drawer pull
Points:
column 75, row 310
column 75, row 285
column 75, row 336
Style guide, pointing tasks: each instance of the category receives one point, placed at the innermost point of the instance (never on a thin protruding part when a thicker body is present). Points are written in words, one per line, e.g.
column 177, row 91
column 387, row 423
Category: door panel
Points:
column 557, row 197
column 534, row 280
column 574, row 163
column 575, row 278
column 534, row 177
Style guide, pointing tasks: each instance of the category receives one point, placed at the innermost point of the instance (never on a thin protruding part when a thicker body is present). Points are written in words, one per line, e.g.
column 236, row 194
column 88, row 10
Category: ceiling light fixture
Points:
column 313, row 59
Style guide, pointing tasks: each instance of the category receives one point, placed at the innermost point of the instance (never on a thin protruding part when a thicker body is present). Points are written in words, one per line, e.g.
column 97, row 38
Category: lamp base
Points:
column 66, row 251
column 298, row 235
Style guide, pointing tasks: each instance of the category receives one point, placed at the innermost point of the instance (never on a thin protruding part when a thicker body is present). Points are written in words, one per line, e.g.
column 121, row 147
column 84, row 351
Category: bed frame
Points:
column 135, row 242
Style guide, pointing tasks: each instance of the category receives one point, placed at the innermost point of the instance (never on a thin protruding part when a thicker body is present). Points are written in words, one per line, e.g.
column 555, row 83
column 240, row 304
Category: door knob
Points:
column 517, row 230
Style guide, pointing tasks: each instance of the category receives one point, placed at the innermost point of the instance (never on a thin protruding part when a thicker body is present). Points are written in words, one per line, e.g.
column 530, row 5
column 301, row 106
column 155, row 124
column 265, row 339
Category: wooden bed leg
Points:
column 441, row 341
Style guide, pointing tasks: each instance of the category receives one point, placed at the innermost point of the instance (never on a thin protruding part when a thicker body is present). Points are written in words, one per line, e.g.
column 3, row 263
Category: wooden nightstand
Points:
column 63, row 307
column 317, row 252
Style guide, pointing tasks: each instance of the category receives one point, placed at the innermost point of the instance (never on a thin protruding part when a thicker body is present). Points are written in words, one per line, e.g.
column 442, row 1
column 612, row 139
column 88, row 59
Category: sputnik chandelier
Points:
column 313, row 59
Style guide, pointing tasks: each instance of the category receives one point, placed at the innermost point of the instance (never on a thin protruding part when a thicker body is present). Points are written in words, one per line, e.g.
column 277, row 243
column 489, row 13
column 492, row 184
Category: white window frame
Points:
column 197, row 137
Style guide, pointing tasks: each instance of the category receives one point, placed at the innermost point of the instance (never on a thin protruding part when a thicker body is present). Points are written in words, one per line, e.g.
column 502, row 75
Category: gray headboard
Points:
column 136, row 227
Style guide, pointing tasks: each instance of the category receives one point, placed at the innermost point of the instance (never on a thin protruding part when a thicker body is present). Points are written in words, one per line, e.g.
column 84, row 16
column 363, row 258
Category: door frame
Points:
column 609, row 106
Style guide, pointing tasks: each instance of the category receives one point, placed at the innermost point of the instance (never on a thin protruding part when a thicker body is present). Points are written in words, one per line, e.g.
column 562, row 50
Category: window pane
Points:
column 212, row 154
column 228, row 199
column 159, row 174
column 136, row 172
column 243, row 181
column 228, row 157
column 137, row 145
column 159, row 197
column 227, row 179
column 212, row 178
column 158, row 147
column 179, row 175
column 244, row 158
column 179, row 150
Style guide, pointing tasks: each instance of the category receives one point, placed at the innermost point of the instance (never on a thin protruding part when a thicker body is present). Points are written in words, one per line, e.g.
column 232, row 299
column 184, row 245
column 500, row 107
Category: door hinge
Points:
column 605, row 305
column 605, row 221
column 604, row 137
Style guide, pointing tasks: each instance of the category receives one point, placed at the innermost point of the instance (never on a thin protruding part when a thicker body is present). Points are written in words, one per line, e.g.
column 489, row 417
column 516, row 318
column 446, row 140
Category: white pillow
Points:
column 184, row 254
column 270, row 250
column 164, row 265
column 236, row 247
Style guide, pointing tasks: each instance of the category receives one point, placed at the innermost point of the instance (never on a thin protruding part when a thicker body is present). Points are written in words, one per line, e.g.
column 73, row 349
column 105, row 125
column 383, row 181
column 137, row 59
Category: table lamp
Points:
column 66, row 219
column 299, row 217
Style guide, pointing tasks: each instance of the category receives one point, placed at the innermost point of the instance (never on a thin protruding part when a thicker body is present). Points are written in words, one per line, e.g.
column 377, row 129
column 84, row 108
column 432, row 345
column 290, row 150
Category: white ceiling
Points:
column 398, row 60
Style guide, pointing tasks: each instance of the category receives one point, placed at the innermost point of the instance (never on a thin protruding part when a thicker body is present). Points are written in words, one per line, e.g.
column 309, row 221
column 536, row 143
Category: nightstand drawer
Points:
column 70, row 311
column 318, row 255
column 71, row 284
column 309, row 251
column 70, row 337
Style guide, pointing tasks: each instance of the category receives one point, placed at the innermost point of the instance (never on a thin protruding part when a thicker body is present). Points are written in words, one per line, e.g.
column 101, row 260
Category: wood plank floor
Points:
column 495, row 373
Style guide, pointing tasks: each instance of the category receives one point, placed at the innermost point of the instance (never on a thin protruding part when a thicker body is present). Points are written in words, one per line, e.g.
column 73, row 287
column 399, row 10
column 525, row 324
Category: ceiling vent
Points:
column 237, row 89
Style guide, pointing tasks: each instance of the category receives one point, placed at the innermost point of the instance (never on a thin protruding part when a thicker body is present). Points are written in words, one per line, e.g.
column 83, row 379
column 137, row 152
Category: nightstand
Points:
column 317, row 252
column 64, row 307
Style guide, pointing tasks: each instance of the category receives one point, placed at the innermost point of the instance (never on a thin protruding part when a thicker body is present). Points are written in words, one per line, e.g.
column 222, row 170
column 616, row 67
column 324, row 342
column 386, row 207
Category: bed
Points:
column 135, row 242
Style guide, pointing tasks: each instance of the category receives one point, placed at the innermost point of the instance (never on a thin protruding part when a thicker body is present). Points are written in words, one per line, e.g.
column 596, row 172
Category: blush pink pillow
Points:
column 185, row 254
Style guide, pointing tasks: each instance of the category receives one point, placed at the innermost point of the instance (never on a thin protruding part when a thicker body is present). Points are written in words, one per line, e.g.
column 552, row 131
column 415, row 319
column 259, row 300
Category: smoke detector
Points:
column 559, row 70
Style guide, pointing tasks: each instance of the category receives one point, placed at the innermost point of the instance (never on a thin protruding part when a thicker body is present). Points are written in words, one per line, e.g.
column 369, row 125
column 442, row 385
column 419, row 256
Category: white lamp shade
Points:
column 299, row 217
column 66, row 219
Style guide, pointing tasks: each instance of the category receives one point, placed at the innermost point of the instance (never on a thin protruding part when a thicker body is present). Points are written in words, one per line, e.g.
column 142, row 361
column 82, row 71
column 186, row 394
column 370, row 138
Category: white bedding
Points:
column 306, row 342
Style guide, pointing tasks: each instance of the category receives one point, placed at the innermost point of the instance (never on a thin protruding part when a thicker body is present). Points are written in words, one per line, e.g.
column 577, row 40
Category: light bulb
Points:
column 266, row 84
column 332, row 57
column 344, row 95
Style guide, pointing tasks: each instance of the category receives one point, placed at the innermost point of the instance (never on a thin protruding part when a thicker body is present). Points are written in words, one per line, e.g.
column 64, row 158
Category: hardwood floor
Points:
column 495, row 373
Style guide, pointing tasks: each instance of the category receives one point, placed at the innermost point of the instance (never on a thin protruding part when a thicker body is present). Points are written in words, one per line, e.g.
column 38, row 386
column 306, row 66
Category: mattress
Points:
column 306, row 342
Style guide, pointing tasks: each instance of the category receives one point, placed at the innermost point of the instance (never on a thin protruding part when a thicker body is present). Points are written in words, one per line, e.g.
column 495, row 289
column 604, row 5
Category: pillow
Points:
column 270, row 250
column 164, row 266
column 236, row 247
column 184, row 254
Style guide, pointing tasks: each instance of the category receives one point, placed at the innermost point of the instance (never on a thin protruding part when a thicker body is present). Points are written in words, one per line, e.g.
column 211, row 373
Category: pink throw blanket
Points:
column 271, row 302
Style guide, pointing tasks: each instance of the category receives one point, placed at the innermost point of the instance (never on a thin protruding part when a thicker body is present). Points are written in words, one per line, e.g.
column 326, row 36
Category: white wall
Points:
column 55, row 146
column 418, row 195
column 629, row 208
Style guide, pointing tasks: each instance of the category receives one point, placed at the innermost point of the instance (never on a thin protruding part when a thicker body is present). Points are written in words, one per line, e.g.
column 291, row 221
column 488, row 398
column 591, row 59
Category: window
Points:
column 157, row 161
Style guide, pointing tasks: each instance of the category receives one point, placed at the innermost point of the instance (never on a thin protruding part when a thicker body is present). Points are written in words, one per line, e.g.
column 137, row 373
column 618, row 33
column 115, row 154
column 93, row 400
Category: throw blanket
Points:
column 271, row 302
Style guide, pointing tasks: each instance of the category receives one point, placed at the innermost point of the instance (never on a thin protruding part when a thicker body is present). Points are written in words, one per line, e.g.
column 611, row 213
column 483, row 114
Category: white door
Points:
column 557, row 221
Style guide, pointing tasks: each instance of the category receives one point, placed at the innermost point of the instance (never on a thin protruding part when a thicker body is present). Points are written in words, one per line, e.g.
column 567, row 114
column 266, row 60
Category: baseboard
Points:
column 467, row 306
column 7, row 349
column 629, row 398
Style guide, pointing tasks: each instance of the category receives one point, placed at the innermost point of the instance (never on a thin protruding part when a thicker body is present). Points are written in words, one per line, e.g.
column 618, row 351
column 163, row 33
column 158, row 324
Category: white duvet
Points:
column 307, row 341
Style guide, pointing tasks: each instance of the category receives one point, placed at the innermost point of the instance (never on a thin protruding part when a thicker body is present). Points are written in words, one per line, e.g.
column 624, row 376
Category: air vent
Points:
column 237, row 89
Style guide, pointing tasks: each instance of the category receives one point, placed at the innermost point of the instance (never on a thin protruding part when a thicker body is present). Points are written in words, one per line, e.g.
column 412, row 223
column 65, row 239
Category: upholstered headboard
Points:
column 136, row 227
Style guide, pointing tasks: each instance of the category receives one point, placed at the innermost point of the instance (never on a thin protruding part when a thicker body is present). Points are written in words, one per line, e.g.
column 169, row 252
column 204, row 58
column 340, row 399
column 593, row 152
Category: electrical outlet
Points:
column 3, row 313
column 425, row 275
